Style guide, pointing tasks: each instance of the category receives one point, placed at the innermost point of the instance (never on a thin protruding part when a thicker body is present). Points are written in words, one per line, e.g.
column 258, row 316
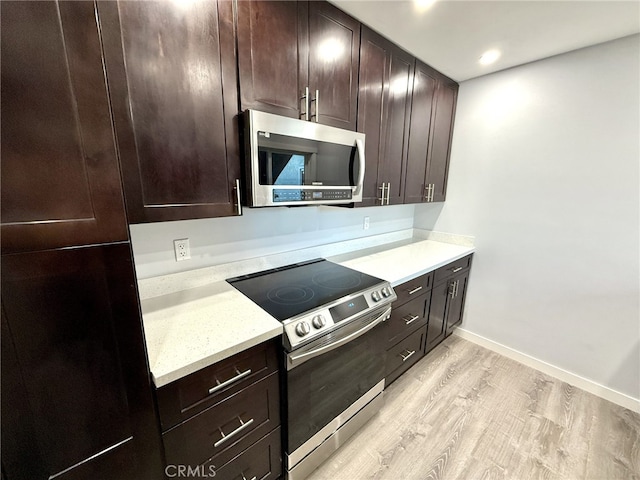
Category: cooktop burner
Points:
column 289, row 291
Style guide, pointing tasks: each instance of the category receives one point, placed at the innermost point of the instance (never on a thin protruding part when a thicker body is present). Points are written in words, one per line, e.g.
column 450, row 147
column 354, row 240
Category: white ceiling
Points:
column 452, row 34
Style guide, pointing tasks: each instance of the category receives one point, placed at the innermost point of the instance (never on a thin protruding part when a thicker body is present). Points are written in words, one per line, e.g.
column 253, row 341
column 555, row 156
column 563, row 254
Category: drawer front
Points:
column 248, row 415
column 408, row 318
column 192, row 394
column 262, row 461
column 403, row 355
column 452, row 268
column 413, row 288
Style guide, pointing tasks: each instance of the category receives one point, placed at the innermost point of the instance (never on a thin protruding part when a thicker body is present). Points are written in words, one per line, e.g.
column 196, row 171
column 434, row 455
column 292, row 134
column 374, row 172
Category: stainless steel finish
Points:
column 305, row 97
column 455, row 270
column 430, row 191
column 317, row 102
column 342, row 336
column 385, row 292
column 262, row 195
column 239, row 376
column 457, row 287
column 417, row 289
column 382, row 187
column 308, row 456
column 302, row 329
column 226, row 438
column 388, row 190
column 319, row 321
column 238, row 199
column 452, row 289
column 408, row 356
column 409, row 319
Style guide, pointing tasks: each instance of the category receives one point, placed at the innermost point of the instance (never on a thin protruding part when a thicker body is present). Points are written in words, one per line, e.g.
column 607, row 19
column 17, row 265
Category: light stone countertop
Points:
column 190, row 329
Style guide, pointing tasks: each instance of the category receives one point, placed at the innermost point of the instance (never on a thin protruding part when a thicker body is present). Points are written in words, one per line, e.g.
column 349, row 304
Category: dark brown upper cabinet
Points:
column 440, row 139
column 60, row 178
column 424, row 87
column 171, row 69
column 384, row 114
column 286, row 48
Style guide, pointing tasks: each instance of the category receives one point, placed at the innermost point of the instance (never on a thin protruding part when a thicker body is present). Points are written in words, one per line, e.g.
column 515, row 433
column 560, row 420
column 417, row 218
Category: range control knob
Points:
column 375, row 296
column 386, row 292
column 318, row 321
column 302, row 329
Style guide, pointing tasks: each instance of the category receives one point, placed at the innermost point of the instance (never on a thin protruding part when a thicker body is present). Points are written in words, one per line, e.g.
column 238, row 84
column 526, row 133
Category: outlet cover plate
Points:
column 181, row 249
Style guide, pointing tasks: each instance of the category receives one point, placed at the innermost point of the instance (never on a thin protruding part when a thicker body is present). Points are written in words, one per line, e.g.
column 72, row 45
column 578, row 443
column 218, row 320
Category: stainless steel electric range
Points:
column 333, row 349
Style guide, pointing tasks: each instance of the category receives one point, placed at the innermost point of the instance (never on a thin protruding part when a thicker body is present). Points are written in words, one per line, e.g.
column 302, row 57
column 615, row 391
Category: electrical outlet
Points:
column 181, row 247
column 365, row 225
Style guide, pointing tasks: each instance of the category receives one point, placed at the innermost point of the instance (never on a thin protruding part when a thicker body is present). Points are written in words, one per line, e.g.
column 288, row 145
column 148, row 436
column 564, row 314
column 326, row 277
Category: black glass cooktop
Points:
column 289, row 291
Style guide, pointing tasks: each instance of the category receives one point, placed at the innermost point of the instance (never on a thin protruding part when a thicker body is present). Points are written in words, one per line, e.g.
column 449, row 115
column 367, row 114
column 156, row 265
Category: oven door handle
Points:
column 295, row 360
column 361, row 167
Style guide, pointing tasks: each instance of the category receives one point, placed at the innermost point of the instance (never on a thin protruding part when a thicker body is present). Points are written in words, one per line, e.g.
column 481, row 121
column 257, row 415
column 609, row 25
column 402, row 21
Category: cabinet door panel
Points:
column 437, row 315
column 168, row 70
column 424, row 87
column 60, row 176
column 73, row 320
column 373, row 94
column 272, row 65
column 438, row 164
column 334, row 49
column 454, row 316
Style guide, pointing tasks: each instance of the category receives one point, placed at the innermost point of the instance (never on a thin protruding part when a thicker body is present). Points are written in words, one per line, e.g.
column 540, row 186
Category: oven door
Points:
column 327, row 377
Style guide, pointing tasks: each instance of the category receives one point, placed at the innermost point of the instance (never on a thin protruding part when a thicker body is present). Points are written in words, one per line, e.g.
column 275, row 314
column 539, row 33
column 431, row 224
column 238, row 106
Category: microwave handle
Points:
column 360, row 147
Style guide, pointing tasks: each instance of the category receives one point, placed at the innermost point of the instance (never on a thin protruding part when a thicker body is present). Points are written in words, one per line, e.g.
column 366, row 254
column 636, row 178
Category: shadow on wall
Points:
column 631, row 361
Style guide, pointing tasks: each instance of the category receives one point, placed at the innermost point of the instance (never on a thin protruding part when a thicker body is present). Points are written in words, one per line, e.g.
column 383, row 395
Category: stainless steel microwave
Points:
column 296, row 162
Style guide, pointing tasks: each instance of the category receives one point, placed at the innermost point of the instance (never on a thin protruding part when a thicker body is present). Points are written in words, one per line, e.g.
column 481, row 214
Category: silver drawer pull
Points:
column 226, row 438
column 410, row 319
column 408, row 356
column 454, row 270
column 220, row 386
column 417, row 289
column 245, row 478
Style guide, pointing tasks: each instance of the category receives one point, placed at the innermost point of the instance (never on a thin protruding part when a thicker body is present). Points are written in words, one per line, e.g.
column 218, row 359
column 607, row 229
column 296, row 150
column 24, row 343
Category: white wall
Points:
column 545, row 173
column 258, row 232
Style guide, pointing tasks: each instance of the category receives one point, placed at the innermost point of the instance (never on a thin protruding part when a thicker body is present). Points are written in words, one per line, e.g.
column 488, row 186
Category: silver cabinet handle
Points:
column 409, row 319
column 454, row 270
column 362, row 162
column 305, row 97
column 408, row 356
column 417, row 289
column 388, row 190
column 430, row 190
column 452, row 289
column 238, row 204
column 384, row 185
column 226, row 438
column 317, row 100
column 457, row 287
column 220, row 386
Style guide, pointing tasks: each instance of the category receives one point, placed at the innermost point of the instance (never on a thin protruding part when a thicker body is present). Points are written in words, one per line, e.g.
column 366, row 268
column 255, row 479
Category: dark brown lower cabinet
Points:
column 76, row 393
column 224, row 420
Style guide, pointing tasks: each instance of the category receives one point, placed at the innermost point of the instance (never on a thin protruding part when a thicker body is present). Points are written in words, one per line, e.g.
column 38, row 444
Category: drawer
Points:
column 262, row 460
column 408, row 317
column 188, row 396
column 247, row 415
column 452, row 268
column 411, row 289
column 405, row 354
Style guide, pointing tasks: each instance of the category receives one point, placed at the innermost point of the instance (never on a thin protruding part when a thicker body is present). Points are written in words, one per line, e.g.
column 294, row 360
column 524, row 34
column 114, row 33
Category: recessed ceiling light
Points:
column 422, row 5
column 489, row 56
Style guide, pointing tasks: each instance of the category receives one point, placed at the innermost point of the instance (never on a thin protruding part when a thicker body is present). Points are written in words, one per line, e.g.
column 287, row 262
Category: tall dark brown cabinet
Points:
column 287, row 47
column 76, row 391
column 173, row 86
column 384, row 113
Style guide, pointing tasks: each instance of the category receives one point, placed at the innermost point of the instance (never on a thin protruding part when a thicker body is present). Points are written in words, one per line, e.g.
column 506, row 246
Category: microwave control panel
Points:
column 306, row 195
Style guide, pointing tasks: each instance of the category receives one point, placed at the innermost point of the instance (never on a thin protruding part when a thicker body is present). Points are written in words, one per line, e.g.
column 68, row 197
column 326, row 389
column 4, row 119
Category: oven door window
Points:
column 323, row 387
column 284, row 160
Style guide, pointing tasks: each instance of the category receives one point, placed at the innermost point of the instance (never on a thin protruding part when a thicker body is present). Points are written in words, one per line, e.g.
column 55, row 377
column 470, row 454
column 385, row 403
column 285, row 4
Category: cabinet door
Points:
column 272, row 55
column 442, row 131
column 384, row 108
column 76, row 393
column 424, row 87
column 60, row 179
column 456, row 309
column 334, row 52
column 172, row 77
column 438, row 314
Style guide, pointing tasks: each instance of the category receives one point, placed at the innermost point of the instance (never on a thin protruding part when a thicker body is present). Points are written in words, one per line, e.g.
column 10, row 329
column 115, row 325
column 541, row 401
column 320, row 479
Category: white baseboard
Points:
column 571, row 378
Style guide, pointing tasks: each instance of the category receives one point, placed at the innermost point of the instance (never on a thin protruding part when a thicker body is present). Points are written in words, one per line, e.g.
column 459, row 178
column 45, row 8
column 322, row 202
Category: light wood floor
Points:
column 465, row 412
